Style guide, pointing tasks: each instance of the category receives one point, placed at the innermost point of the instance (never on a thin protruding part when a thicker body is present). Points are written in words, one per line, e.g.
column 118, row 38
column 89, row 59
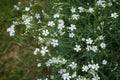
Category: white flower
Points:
column 96, row 77
column 72, row 27
column 103, row 45
column 94, row 48
column 46, row 78
column 39, row 21
column 77, row 48
column 74, row 75
column 88, row 48
column 89, row 41
column 48, row 63
column 27, row 8
column 31, row 5
column 83, row 39
column 101, row 3
column 75, row 17
column 43, row 50
column 73, row 9
column 11, row 30
column 41, row 40
column 48, row 42
column 39, row 65
column 54, row 42
column 114, row 15
column 73, row 65
column 61, row 71
column 95, row 66
column 63, row 61
column 26, row 20
column 81, row 9
column 37, row 16
column 110, row 4
column 56, row 15
column 66, row 76
column 101, row 37
column 104, row 62
column 61, row 24
column 89, row 65
column 85, row 68
column 36, row 51
column 45, row 32
column 19, row 3
column 55, row 60
column 16, row 7
column 71, row 35
column 91, row 10
column 51, row 23
column 24, row 17
column 15, row 22
column 60, row 21
column 52, row 77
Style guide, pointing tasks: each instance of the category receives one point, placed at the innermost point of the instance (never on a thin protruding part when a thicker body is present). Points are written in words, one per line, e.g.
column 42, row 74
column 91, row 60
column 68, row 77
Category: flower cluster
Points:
column 67, row 40
column 54, row 61
column 91, row 69
column 11, row 30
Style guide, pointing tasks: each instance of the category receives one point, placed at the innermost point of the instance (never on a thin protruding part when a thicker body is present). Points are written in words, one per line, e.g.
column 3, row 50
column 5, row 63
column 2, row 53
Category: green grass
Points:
column 16, row 61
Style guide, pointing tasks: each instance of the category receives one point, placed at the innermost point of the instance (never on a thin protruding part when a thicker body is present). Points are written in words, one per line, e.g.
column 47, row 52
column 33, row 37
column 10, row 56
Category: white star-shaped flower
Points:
column 91, row 10
column 71, row 35
column 43, row 50
column 45, row 32
column 54, row 42
column 103, row 45
column 114, row 15
column 75, row 16
column 81, row 9
column 72, row 27
column 73, row 9
column 36, row 51
column 104, row 62
column 89, row 41
column 56, row 15
column 51, row 23
column 77, row 48
column 85, row 68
